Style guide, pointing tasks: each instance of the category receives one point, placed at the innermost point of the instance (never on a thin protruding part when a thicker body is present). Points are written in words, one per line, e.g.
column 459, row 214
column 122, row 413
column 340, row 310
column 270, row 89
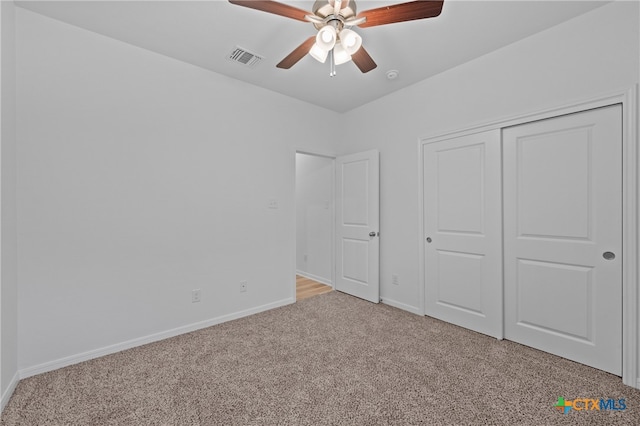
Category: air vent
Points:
column 244, row 57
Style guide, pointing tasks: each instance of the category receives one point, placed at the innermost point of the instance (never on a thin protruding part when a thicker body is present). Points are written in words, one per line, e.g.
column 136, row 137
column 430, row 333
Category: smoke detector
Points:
column 392, row 74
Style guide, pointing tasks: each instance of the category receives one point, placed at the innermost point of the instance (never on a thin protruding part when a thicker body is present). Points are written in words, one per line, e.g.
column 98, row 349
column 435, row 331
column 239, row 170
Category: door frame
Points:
column 628, row 98
column 332, row 255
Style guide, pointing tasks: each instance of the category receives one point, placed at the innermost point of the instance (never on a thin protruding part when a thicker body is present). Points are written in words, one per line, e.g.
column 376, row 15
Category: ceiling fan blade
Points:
column 363, row 61
column 297, row 54
column 273, row 7
column 402, row 12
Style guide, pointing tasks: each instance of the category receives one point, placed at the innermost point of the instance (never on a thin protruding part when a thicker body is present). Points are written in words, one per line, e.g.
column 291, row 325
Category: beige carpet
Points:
column 329, row 360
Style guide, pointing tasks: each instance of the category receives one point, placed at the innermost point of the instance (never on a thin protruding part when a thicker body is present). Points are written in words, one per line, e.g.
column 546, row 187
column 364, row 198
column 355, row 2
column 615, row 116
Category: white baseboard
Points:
column 314, row 277
column 6, row 396
column 107, row 350
column 402, row 306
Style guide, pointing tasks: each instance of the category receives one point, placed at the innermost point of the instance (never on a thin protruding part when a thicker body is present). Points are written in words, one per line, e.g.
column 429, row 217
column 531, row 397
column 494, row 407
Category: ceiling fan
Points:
column 333, row 19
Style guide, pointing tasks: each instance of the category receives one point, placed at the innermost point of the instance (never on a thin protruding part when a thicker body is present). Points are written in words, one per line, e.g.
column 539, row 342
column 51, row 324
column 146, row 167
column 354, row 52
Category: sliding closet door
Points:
column 462, row 223
column 563, row 236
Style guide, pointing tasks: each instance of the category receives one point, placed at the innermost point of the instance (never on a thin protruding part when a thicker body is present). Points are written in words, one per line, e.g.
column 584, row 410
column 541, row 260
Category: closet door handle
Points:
column 609, row 255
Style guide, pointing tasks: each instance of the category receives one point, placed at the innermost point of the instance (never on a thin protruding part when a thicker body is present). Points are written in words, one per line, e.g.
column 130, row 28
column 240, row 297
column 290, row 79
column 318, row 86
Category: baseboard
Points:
column 315, row 278
column 6, row 396
column 400, row 305
column 107, row 350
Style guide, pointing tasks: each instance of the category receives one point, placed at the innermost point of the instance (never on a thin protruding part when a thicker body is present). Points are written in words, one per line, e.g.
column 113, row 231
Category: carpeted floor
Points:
column 329, row 360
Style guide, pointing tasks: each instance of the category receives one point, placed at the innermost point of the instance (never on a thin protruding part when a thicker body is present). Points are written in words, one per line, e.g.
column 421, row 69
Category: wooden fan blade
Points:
column 363, row 61
column 297, row 54
column 402, row 12
column 273, row 7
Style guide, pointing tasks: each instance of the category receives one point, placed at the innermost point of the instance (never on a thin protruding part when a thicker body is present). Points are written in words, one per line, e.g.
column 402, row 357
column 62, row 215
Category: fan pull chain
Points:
column 332, row 64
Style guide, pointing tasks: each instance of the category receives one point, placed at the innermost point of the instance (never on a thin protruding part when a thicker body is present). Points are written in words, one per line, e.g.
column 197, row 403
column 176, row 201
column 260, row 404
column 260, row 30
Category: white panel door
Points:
column 357, row 221
column 463, row 235
column 562, row 229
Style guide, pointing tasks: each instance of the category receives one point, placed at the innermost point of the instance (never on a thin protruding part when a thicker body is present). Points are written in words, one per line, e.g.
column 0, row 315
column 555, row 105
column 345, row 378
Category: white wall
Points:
column 587, row 56
column 8, row 248
column 314, row 217
column 141, row 178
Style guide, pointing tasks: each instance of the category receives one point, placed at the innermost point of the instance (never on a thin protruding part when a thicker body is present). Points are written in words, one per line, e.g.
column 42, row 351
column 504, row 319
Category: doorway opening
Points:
column 314, row 224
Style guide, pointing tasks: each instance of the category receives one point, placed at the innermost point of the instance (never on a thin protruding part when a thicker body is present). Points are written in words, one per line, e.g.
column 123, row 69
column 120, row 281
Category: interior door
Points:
column 563, row 236
column 463, row 235
column 357, row 222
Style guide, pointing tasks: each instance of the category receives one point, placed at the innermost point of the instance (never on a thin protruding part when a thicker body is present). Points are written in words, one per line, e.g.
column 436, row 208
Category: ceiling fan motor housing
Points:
column 325, row 9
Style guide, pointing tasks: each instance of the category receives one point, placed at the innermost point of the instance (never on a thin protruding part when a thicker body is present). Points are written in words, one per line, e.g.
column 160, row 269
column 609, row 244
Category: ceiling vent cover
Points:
column 244, row 57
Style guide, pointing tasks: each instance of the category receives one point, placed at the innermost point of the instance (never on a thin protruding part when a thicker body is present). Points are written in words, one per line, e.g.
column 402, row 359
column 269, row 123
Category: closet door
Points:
column 563, row 236
column 462, row 223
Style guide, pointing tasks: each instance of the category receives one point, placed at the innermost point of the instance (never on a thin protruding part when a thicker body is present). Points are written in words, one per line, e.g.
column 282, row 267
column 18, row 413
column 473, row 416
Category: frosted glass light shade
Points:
column 350, row 41
column 340, row 55
column 326, row 38
column 318, row 53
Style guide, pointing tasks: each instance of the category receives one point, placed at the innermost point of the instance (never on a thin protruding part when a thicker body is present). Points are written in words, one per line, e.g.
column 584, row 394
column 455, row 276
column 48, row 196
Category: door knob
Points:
column 608, row 255
column 372, row 234
column 429, row 239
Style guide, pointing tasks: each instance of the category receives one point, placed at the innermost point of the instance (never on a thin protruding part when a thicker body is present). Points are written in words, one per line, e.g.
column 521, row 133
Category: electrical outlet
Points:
column 243, row 286
column 395, row 280
column 195, row 295
column 273, row 204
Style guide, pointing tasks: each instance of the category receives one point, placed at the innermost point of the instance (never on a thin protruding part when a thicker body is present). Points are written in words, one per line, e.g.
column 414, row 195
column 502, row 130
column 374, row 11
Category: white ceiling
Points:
column 203, row 33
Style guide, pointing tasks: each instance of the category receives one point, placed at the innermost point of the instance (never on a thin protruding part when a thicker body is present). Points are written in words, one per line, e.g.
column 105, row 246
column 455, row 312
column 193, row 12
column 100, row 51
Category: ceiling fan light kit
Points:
column 334, row 40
